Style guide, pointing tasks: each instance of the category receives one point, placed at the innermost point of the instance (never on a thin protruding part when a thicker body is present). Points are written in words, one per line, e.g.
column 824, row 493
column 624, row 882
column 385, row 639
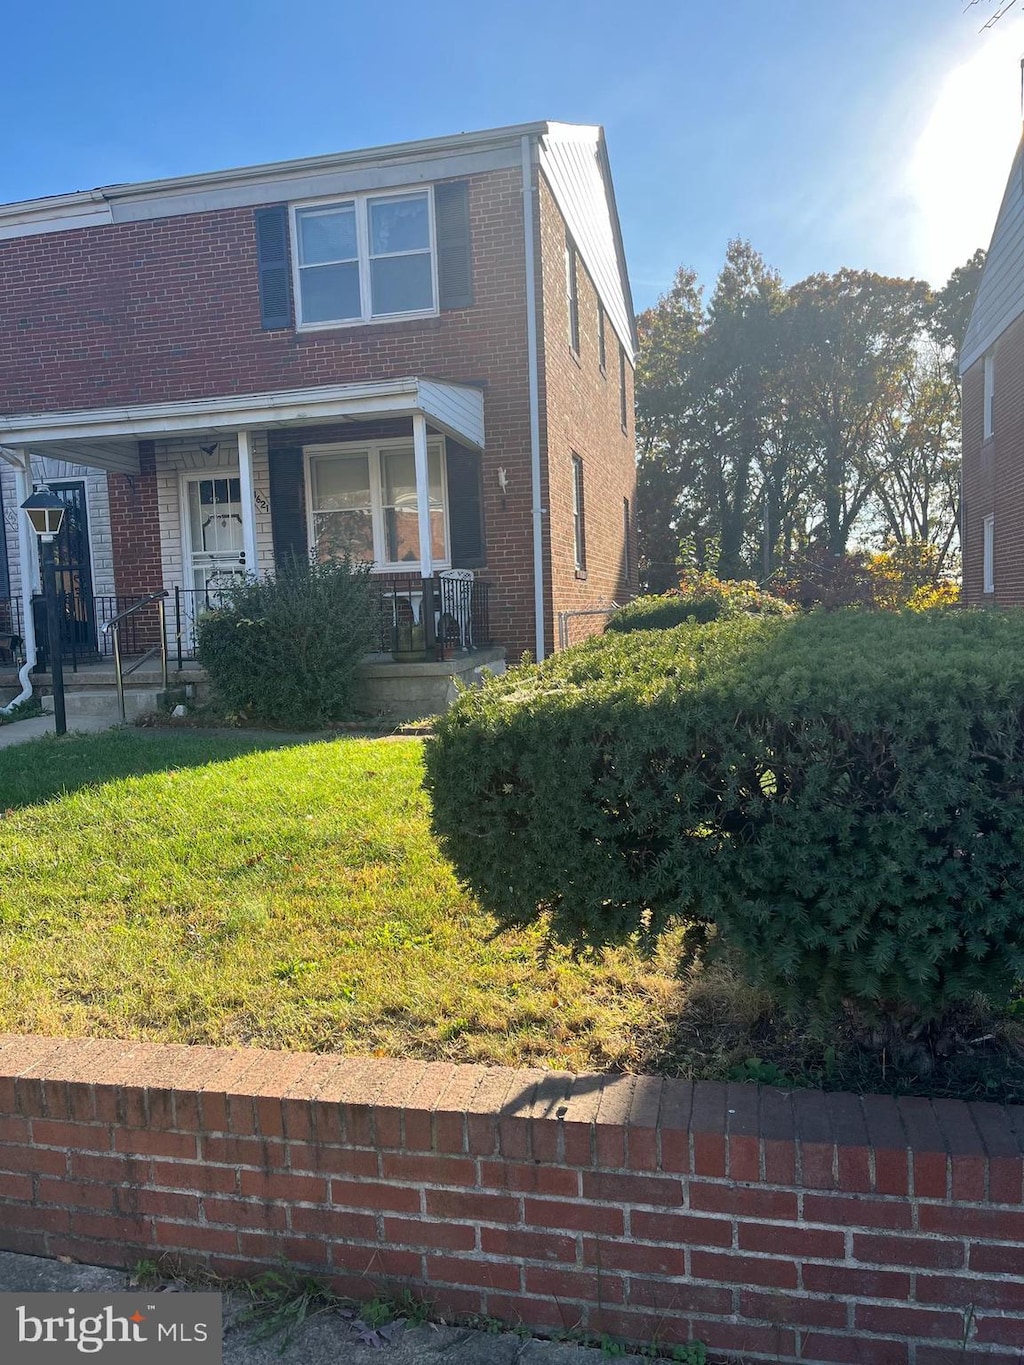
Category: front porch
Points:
column 205, row 492
column 392, row 691
column 403, row 685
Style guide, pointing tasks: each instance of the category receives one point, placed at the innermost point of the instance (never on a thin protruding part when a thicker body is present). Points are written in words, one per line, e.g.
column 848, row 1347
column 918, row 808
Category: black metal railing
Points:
column 430, row 617
column 83, row 627
column 12, row 631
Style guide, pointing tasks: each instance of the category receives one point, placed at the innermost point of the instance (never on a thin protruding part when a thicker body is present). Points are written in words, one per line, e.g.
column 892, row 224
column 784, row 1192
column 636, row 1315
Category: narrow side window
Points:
column 579, row 529
column 572, row 295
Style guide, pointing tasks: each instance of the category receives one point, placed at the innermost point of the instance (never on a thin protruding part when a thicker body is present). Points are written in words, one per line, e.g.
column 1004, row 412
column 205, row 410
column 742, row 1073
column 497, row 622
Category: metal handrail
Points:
column 135, row 606
column 113, row 629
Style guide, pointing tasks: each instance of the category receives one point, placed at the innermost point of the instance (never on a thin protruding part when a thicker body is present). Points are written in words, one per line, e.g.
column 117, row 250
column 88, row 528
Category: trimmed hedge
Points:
column 284, row 649
column 841, row 795
column 700, row 597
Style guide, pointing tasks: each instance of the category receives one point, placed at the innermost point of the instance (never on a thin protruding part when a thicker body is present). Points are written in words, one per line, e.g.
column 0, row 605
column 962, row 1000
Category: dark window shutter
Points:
column 274, row 267
column 288, row 506
column 465, row 507
column 454, row 252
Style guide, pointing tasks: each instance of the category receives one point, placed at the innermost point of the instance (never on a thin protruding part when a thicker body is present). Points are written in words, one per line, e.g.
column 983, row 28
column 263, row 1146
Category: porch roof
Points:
column 106, row 438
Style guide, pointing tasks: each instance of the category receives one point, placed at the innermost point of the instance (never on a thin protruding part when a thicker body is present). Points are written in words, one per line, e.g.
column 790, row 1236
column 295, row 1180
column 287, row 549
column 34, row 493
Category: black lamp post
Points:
column 46, row 513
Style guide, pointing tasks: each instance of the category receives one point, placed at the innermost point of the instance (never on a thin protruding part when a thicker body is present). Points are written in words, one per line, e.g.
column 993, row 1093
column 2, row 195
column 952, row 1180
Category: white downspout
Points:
column 531, row 360
column 26, row 541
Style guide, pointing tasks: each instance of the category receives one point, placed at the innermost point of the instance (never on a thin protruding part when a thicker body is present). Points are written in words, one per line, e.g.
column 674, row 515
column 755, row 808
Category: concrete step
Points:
column 102, row 703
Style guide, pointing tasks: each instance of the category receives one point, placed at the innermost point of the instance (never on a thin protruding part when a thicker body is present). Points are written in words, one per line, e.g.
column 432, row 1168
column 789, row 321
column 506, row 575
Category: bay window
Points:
column 364, row 258
column 363, row 499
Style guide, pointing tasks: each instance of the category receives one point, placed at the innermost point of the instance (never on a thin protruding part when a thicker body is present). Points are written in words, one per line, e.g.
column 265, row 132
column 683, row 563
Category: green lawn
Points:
column 204, row 888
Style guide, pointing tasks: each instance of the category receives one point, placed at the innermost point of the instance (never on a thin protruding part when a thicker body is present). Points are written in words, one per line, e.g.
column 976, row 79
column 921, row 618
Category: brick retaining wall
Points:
column 774, row 1226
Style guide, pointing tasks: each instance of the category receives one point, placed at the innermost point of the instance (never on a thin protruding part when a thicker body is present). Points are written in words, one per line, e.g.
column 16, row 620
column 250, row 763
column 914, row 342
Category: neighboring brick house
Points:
column 423, row 352
column 992, row 373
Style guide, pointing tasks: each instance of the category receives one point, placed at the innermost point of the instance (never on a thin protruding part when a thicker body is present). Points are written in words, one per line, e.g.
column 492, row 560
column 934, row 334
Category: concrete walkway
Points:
column 328, row 1339
column 20, row 731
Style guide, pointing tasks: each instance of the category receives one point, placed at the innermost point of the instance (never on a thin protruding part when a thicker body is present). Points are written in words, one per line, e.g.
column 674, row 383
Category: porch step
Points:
column 100, row 703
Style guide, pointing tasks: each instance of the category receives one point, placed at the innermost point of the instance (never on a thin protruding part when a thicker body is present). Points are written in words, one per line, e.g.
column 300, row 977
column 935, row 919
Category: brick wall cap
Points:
column 593, row 1099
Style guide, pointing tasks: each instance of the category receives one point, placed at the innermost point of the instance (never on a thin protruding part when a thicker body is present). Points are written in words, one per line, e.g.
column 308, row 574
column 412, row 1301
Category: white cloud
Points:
column 957, row 168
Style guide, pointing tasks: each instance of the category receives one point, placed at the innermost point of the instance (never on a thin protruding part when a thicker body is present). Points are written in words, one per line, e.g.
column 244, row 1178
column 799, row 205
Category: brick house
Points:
column 992, row 376
column 421, row 352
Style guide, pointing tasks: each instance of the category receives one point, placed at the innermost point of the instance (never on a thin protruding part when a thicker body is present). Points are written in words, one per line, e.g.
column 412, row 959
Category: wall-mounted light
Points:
column 45, row 511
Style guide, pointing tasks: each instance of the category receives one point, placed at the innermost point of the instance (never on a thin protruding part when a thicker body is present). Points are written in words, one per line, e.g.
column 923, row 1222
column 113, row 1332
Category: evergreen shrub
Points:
column 840, row 795
column 284, row 649
column 699, row 597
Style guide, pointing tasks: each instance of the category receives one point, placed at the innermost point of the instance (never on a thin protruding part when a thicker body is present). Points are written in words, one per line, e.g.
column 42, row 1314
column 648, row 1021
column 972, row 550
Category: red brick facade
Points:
column 168, row 310
column 993, row 473
column 582, row 417
column 774, row 1226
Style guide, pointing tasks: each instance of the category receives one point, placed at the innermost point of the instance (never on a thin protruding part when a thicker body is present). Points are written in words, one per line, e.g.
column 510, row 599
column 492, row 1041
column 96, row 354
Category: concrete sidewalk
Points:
column 328, row 1339
column 20, row 731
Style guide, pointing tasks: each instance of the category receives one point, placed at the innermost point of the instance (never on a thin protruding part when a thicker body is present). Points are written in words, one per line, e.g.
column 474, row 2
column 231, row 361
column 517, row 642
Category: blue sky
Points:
column 869, row 133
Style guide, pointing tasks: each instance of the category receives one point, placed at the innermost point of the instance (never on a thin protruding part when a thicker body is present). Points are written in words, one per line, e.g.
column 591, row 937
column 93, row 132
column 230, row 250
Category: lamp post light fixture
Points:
column 45, row 512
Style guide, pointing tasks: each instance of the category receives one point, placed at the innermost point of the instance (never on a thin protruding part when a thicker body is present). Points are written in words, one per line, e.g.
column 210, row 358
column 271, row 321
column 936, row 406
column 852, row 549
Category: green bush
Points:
column 284, row 649
column 840, row 795
column 699, row 597
column 662, row 612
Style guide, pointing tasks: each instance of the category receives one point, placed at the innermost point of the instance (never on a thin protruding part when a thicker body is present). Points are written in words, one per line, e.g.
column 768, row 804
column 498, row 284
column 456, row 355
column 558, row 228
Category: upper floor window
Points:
column 579, row 530
column 623, row 395
column 988, row 425
column 602, row 354
column 572, row 296
column 368, row 257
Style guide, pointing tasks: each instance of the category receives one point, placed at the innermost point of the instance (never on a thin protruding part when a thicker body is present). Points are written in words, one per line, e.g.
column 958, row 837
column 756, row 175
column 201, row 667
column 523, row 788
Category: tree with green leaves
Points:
column 774, row 420
column 854, row 337
column 666, row 475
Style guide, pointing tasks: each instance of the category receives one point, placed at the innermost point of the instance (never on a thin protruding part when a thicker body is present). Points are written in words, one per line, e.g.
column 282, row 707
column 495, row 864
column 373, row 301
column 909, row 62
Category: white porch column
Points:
column 28, row 557
column 419, row 445
column 248, row 506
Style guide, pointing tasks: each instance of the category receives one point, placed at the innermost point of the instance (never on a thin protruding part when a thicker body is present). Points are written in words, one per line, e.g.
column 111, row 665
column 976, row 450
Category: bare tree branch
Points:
column 1002, row 7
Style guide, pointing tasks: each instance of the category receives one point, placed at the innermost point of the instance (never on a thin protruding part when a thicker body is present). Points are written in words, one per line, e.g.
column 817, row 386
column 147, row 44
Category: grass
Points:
column 244, row 889
column 219, row 889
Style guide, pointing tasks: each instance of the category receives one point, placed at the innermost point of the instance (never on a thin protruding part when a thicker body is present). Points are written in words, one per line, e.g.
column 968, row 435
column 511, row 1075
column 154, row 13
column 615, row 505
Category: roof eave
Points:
column 271, row 170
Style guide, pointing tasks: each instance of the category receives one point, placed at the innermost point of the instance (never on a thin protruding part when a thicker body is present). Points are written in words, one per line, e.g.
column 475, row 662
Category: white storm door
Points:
column 213, row 520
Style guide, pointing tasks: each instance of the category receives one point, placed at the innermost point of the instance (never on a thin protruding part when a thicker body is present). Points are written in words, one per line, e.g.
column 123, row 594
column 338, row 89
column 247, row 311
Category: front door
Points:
column 213, row 519
column 73, row 564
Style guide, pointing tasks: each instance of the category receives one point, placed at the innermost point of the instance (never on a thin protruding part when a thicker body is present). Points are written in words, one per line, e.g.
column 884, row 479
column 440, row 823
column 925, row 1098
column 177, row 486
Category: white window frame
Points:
column 572, row 294
column 988, row 554
column 373, row 450
column 361, row 202
column 988, row 409
column 579, row 508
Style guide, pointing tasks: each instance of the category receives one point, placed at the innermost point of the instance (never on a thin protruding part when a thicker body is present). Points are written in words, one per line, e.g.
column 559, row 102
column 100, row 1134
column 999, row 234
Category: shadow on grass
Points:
column 47, row 768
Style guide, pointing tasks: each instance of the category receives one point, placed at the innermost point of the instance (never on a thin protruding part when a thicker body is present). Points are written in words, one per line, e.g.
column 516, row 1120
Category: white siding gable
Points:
column 1000, row 298
column 572, row 158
